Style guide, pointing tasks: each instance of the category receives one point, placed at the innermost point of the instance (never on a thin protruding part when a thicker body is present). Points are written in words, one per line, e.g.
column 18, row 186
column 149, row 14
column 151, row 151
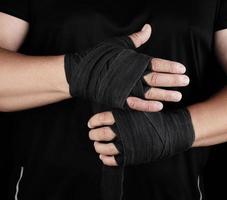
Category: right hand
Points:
column 164, row 73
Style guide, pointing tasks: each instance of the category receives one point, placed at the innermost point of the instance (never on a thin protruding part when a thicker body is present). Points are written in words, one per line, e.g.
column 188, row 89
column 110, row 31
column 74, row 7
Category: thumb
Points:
column 141, row 37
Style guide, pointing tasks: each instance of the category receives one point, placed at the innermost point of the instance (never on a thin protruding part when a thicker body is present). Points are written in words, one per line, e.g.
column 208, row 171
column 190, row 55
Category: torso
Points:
column 58, row 158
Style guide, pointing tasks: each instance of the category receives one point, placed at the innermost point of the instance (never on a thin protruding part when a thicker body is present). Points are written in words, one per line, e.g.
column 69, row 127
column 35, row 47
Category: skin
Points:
column 209, row 118
column 32, row 81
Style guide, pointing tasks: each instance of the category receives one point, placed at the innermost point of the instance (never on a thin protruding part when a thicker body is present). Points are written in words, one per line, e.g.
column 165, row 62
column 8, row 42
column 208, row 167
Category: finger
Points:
column 161, row 65
column 101, row 119
column 102, row 134
column 142, row 36
column 143, row 105
column 163, row 95
column 108, row 160
column 106, row 149
column 166, row 80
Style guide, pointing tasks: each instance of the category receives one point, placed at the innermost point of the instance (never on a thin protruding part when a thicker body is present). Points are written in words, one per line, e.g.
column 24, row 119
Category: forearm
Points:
column 210, row 120
column 31, row 81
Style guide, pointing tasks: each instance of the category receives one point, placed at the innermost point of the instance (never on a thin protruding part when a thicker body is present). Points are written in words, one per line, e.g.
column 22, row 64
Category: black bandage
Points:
column 108, row 73
column 147, row 137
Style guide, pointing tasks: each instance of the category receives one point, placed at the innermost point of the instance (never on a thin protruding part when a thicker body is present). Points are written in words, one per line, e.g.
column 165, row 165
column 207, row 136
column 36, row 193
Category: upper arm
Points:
column 220, row 37
column 13, row 31
column 220, row 44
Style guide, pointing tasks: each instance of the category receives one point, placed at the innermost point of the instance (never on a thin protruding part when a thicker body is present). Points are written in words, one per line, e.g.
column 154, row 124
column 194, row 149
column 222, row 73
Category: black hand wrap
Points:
column 107, row 73
column 147, row 137
column 142, row 138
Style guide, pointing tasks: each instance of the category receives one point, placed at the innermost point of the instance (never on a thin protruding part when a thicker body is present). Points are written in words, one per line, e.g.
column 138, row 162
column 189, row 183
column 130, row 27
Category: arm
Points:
column 27, row 81
column 210, row 117
column 32, row 81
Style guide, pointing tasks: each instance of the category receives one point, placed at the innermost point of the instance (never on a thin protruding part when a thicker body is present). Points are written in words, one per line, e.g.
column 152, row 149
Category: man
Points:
column 53, row 138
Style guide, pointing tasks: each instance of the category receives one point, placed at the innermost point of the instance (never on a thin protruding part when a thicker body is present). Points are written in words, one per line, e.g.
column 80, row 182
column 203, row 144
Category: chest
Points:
column 172, row 15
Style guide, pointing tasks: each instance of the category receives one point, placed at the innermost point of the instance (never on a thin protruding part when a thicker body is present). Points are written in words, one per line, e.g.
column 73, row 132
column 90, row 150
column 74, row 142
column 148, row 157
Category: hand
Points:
column 106, row 151
column 99, row 74
column 164, row 73
column 142, row 137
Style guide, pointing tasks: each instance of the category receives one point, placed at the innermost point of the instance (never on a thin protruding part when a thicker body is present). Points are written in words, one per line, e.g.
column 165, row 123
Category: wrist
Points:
column 60, row 84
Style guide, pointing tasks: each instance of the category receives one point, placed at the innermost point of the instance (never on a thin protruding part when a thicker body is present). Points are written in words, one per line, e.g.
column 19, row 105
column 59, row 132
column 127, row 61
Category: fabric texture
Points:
column 107, row 73
column 149, row 137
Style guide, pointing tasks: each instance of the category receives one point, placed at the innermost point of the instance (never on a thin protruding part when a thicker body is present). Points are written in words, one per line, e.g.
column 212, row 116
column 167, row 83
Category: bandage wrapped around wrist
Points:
column 146, row 137
column 108, row 73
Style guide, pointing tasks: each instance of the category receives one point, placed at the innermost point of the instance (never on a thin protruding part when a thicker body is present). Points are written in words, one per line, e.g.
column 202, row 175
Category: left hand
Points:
column 106, row 150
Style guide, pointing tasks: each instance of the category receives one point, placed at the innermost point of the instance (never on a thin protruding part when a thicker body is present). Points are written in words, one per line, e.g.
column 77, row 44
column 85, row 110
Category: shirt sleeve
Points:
column 221, row 20
column 16, row 8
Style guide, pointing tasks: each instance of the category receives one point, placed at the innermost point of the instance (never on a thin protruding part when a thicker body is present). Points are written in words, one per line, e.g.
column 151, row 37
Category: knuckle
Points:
column 97, row 136
column 177, row 80
column 138, row 39
column 153, row 78
column 173, row 67
column 172, row 96
column 150, row 107
column 154, row 63
column 105, row 133
column 136, row 36
column 165, row 96
column 149, row 93
column 109, row 133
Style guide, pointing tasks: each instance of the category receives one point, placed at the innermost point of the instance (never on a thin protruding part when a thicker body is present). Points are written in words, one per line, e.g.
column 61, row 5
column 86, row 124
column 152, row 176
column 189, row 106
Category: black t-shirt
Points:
column 51, row 142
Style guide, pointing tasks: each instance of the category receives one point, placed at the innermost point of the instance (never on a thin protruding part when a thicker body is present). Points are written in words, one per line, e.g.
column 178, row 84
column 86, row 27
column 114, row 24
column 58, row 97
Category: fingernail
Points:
column 89, row 124
column 177, row 97
column 182, row 69
column 186, row 80
column 100, row 157
column 159, row 105
column 145, row 27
